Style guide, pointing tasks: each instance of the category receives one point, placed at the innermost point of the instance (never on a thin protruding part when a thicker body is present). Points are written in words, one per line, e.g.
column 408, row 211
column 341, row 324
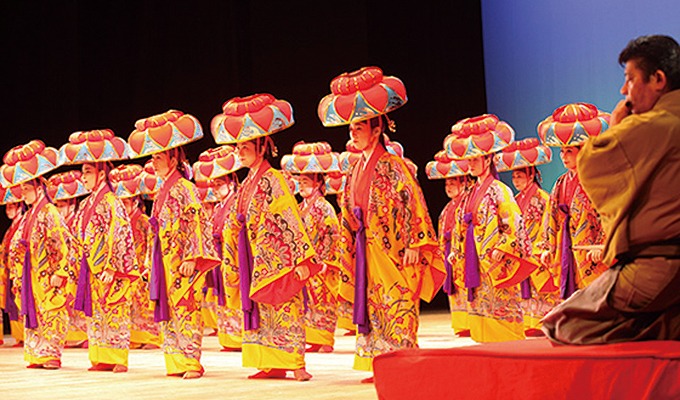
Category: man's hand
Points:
column 187, row 268
column 621, row 111
column 410, row 256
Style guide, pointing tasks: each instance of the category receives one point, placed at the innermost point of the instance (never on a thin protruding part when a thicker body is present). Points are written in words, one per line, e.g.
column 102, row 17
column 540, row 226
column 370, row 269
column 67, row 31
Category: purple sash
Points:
column 83, row 300
column 360, row 315
column 27, row 299
column 449, row 287
column 251, row 313
column 525, row 287
column 10, row 306
column 567, row 278
column 305, row 298
column 157, row 290
column 216, row 274
column 472, row 278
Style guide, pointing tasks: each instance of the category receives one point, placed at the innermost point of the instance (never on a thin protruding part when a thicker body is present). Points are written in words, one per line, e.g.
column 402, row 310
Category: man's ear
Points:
column 660, row 80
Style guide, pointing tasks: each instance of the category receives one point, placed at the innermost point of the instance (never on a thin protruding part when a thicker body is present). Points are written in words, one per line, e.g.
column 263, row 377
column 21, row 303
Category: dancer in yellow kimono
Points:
column 388, row 244
column 64, row 190
column 274, row 256
column 39, row 254
column 573, row 235
column 126, row 183
column 310, row 162
column 218, row 166
column 493, row 247
column 14, row 209
column 539, row 293
column 458, row 185
column 106, row 250
column 208, row 198
column 183, row 250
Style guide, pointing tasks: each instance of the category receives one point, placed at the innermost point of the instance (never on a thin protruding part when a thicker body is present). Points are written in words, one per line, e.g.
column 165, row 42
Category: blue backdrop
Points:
column 539, row 55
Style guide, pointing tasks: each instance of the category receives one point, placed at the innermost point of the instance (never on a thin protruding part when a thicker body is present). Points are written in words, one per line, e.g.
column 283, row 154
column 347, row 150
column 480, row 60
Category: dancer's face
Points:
column 454, row 187
column 568, row 155
column 163, row 164
column 520, row 180
column 248, row 154
column 363, row 137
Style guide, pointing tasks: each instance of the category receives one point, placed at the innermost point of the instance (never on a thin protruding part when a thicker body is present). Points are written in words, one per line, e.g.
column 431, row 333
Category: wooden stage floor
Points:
column 333, row 378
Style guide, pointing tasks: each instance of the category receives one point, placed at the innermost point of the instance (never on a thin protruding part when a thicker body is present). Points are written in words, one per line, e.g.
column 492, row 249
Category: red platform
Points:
column 532, row 369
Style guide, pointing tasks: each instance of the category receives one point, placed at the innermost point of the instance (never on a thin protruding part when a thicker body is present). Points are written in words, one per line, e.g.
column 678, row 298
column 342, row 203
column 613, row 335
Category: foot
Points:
column 76, row 345
column 101, row 367
column 85, row 345
column 52, row 364
column 118, row 368
column 367, row 380
column 213, row 333
column 150, row 346
column 350, row 333
column 34, row 366
column 271, row 374
column 464, row 333
column 230, row 349
column 18, row 344
column 192, row 375
column 301, row 375
column 313, row 348
column 2, row 342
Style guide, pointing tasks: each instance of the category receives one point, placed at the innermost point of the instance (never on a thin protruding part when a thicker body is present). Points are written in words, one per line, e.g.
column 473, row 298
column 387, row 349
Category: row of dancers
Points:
column 275, row 278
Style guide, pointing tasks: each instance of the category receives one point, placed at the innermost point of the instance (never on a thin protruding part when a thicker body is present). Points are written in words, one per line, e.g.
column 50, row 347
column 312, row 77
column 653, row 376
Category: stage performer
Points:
column 106, row 250
column 39, row 260
column 571, row 245
column 126, row 183
column 275, row 256
column 218, row 166
column 388, row 246
column 64, row 189
column 183, row 250
column 539, row 293
column 493, row 247
column 14, row 209
column 310, row 162
column 458, row 184
column 632, row 174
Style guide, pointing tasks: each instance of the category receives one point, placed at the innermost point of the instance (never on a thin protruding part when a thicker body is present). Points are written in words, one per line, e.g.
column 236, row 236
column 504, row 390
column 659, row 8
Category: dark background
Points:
column 80, row 65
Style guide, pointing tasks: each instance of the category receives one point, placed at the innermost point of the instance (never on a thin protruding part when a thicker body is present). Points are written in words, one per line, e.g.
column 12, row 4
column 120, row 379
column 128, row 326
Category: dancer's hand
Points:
column 544, row 257
column 410, row 256
column 56, row 281
column 594, row 255
column 107, row 276
column 187, row 268
column 497, row 255
column 301, row 272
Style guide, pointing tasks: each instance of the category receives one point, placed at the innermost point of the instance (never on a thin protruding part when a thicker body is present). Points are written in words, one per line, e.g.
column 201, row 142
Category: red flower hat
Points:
column 478, row 136
column 524, row 153
column 247, row 118
column 27, row 162
column 66, row 185
column 162, row 132
column 572, row 124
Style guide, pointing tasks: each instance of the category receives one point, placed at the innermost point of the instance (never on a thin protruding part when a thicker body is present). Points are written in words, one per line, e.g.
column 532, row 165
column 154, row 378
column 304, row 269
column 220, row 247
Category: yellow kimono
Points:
column 46, row 238
column 544, row 294
column 584, row 230
column 271, row 244
column 143, row 328
column 320, row 294
column 448, row 225
column 495, row 223
column 106, row 243
column 229, row 315
column 386, row 200
column 181, row 232
column 7, row 289
column 77, row 320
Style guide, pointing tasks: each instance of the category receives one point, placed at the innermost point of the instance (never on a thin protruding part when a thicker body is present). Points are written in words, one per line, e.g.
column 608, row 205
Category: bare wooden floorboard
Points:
column 224, row 378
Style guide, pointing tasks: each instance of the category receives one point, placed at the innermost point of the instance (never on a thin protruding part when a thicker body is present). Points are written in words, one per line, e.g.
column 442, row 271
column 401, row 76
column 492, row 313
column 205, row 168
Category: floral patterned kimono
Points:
column 384, row 213
column 7, row 289
column 541, row 294
column 458, row 303
column 77, row 321
column 106, row 243
column 491, row 220
column 38, row 250
column 271, row 242
column 181, row 232
column 143, row 328
column 571, row 221
column 229, row 315
column 321, row 292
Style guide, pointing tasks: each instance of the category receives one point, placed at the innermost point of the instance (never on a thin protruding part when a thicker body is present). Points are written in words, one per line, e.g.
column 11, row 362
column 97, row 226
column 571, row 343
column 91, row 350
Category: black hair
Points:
column 653, row 53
